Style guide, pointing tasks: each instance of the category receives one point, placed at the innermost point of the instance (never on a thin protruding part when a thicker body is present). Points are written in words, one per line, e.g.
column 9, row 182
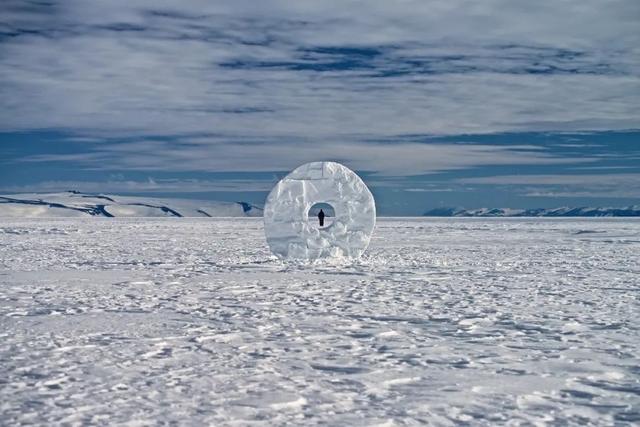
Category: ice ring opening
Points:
column 328, row 215
column 291, row 213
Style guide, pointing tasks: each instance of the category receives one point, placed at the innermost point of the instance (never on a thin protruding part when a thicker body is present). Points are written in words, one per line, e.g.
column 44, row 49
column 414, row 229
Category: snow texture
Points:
column 456, row 321
column 290, row 233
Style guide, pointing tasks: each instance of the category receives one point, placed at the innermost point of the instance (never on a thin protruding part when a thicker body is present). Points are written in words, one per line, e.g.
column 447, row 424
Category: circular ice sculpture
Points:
column 292, row 234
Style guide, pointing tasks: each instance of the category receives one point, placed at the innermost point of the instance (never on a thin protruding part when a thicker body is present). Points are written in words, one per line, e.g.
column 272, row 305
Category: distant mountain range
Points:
column 539, row 212
column 78, row 204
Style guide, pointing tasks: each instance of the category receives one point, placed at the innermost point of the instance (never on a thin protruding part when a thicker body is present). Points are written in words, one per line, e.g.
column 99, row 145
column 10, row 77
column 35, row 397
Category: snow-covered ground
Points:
column 443, row 321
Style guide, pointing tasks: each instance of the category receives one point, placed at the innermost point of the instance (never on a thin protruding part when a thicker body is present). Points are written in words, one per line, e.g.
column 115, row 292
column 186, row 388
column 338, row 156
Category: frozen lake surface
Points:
column 443, row 321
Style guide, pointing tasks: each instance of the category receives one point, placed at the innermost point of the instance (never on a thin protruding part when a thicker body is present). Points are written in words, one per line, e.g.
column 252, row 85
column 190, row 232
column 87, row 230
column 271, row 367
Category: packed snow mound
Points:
column 292, row 234
column 77, row 204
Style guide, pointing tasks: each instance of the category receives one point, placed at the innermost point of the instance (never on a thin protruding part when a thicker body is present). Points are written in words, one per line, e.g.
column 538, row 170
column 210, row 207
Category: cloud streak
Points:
column 390, row 159
column 151, row 185
column 314, row 71
column 612, row 185
column 621, row 179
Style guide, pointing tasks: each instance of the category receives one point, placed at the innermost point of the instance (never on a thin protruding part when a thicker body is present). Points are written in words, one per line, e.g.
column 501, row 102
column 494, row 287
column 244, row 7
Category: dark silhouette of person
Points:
column 321, row 218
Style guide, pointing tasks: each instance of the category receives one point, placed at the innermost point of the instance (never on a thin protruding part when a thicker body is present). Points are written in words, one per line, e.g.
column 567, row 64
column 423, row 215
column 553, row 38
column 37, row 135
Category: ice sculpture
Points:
column 292, row 234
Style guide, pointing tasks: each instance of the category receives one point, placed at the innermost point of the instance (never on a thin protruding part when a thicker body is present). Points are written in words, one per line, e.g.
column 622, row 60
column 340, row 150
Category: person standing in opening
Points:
column 321, row 218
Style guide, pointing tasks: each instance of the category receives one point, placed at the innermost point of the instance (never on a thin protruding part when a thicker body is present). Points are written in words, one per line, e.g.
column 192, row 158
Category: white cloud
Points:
column 428, row 190
column 615, row 193
column 613, row 185
column 391, row 159
column 273, row 85
column 622, row 179
column 157, row 68
column 151, row 185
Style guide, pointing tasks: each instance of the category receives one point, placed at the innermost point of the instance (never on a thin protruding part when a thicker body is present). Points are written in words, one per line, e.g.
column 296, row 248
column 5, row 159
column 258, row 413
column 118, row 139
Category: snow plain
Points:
column 118, row 321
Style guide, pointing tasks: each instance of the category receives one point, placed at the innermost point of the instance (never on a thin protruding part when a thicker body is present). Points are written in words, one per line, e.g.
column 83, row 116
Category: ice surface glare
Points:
column 289, row 231
column 441, row 321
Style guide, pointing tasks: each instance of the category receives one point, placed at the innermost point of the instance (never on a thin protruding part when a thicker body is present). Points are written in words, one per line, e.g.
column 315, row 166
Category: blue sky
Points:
column 434, row 103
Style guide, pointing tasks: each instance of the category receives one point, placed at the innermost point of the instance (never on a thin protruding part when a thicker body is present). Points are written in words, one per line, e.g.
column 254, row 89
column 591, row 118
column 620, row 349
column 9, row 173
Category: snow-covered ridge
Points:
column 539, row 212
column 77, row 204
